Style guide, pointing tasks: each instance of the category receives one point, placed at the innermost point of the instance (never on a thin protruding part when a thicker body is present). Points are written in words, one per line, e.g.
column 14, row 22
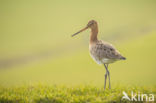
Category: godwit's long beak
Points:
column 80, row 31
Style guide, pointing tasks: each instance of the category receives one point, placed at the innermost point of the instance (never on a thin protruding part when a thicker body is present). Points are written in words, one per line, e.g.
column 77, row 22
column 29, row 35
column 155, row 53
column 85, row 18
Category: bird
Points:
column 102, row 52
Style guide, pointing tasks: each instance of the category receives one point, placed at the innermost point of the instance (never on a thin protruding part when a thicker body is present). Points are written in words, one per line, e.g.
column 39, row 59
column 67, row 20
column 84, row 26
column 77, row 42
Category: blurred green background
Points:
column 36, row 44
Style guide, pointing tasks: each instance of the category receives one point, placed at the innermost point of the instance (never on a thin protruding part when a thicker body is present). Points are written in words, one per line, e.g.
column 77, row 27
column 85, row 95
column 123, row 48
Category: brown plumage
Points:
column 102, row 52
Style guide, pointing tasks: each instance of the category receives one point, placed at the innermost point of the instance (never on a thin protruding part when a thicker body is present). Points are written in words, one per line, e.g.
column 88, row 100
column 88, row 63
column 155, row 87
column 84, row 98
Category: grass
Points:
column 19, row 84
column 63, row 94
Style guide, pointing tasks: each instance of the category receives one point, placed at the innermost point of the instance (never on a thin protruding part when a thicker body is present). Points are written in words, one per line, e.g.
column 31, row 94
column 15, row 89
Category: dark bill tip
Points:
column 80, row 31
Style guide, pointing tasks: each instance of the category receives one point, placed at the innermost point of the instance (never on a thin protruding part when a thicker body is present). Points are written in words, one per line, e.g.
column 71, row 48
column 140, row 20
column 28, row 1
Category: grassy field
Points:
column 60, row 83
column 63, row 94
column 40, row 62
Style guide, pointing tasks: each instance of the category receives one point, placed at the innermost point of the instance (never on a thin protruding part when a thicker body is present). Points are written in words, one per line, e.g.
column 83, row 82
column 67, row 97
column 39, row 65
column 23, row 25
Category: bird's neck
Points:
column 93, row 35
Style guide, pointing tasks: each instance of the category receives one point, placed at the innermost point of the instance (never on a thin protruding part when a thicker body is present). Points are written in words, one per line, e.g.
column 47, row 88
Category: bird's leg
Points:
column 105, row 80
column 105, row 77
column 108, row 77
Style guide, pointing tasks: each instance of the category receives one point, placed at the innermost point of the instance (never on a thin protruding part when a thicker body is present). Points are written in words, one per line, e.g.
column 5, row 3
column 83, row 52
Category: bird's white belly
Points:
column 107, row 61
column 96, row 59
column 103, row 60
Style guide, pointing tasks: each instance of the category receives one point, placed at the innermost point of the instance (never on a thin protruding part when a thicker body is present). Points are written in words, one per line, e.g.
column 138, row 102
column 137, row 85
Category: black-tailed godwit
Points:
column 102, row 52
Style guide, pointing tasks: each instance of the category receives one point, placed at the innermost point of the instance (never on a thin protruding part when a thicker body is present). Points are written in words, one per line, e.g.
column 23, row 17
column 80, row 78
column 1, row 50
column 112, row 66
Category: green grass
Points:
column 63, row 94
column 20, row 84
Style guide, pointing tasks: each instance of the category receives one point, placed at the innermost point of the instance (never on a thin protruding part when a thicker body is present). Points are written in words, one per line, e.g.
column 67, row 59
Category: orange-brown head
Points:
column 91, row 24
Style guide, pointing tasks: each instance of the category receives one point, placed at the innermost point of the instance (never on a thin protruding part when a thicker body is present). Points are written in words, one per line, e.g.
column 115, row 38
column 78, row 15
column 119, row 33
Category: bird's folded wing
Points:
column 106, row 50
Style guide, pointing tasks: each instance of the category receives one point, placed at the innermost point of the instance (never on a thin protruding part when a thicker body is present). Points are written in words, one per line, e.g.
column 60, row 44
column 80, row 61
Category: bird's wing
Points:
column 106, row 50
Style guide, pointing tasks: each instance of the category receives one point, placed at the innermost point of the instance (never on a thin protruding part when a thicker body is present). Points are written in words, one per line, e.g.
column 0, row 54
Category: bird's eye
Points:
column 91, row 23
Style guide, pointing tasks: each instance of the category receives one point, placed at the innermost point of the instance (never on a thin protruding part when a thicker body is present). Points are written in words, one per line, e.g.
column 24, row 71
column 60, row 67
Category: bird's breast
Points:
column 94, row 54
column 98, row 56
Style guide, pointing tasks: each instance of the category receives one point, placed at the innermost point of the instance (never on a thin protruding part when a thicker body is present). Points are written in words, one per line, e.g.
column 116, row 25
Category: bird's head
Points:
column 91, row 24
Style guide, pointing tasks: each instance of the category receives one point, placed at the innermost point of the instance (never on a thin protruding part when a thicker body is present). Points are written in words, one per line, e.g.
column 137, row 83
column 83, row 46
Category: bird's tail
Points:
column 123, row 58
